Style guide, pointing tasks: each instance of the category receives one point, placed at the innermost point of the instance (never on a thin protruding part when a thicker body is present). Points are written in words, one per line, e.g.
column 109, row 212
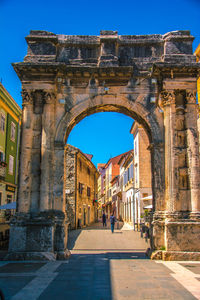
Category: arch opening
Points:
column 130, row 216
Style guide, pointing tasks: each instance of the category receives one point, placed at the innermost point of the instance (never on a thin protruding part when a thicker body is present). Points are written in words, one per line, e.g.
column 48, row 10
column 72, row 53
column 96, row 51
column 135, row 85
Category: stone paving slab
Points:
column 107, row 274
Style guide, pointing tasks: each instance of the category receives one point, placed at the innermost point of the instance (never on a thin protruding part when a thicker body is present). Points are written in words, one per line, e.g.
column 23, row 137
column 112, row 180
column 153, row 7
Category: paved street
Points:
column 103, row 266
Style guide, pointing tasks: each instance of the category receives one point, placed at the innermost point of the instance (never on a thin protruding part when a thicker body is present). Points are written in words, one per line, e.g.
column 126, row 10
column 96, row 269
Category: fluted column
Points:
column 193, row 149
column 25, row 176
column 38, row 96
column 171, row 178
column 47, row 152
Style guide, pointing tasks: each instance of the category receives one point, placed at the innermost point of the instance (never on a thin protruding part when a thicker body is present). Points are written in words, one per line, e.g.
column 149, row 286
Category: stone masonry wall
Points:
column 70, row 177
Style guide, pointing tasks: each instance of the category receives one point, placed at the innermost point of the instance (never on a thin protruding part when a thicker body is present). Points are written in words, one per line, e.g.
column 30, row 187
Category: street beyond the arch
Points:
column 103, row 266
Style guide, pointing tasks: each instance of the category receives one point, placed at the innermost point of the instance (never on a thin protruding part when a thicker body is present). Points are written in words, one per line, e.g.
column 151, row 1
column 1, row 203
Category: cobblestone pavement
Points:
column 103, row 266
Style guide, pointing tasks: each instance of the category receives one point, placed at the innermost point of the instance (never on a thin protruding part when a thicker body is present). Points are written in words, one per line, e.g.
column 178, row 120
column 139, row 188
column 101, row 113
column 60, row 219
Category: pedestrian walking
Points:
column 104, row 219
column 142, row 230
column 146, row 233
column 112, row 222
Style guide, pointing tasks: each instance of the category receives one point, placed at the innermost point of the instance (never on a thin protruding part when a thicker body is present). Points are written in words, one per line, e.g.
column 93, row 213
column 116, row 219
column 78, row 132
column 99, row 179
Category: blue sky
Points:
column 18, row 17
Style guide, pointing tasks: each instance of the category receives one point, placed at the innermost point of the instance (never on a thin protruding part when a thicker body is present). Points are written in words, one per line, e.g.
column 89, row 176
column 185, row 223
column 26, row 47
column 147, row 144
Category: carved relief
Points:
column 182, row 161
column 183, row 178
column 167, row 97
column 180, row 139
column 180, row 122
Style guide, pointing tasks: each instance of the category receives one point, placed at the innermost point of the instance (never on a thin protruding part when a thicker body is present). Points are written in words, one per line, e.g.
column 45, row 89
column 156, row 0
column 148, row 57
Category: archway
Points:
column 67, row 78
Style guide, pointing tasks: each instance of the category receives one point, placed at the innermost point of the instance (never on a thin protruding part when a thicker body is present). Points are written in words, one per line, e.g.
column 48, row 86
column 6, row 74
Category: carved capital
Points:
column 167, row 97
column 26, row 97
column 49, row 97
column 191, row 96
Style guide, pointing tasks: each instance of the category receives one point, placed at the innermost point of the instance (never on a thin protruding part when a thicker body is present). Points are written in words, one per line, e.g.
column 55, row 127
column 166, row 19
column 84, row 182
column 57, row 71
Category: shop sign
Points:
column 10, row 188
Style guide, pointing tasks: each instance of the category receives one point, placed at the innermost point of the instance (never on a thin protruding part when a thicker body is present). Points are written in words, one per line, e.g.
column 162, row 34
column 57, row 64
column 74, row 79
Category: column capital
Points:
column 167, row 97
column 49, row 97
column 26, row 97
column 191, row 96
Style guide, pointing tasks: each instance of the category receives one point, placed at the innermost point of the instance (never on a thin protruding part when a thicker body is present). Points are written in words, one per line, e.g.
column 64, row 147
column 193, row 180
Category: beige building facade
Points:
column 152, row 79
column 80, row 188
column 142, row 172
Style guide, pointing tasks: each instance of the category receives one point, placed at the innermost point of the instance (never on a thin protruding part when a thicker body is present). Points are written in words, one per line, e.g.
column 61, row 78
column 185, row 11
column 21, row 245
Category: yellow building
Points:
column 10, row 123
column 197, row 53
column 80, row 188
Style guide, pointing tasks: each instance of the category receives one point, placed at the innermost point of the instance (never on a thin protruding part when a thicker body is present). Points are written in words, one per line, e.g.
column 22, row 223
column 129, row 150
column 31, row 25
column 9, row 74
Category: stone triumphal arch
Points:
column 151, row 78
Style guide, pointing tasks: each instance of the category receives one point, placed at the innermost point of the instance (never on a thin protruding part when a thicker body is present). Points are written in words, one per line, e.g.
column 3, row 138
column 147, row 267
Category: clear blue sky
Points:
column 18, row 17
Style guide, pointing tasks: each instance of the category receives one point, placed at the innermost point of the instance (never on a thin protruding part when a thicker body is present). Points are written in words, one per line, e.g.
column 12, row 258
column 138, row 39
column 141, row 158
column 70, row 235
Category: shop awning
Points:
column 11, row 205
column 147, row 198
column 148, row 206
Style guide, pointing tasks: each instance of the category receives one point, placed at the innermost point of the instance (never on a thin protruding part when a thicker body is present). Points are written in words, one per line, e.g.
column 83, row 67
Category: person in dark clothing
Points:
column 146, row 234
column 142, row 230
column 112, row 222
column 104, row 219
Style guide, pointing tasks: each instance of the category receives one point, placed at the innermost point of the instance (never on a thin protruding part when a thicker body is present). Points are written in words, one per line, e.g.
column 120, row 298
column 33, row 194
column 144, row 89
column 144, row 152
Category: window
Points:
column 131, row 171
column 9, row 199
column 88, row 171
column 1, row 156
column 80, row 165
column 88, row 191
column 144, row 195
column 135, row 147
column 3, row 120
column 12, row 132
column 80, row 188
column 11, row 164
column 136, row 175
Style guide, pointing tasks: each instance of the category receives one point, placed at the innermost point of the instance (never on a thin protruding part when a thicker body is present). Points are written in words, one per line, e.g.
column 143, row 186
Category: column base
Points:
column 41, row 236
column 42, row 256
column 39, row 256
column 175, row 255
column 176, row 236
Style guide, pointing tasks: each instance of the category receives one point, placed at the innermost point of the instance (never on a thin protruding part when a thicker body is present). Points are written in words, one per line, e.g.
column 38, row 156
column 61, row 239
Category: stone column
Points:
column 47, row 152
column 171, row 178
column 25, row 177
column 193, row 150
column 38, row 96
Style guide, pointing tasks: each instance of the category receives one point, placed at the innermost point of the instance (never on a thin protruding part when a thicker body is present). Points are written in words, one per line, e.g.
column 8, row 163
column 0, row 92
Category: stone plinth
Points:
column 41, row 237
